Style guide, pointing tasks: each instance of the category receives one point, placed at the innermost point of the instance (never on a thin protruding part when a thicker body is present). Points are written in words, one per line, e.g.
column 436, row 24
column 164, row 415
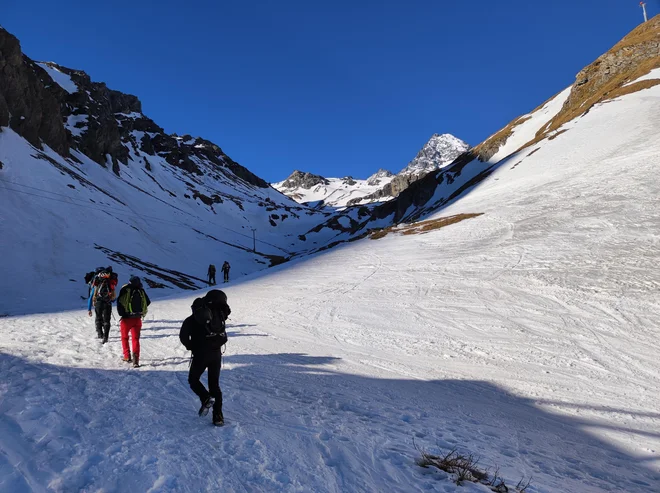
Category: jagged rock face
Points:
column 299, row 179
column 26, row 105
column 438, row 152
column 105, row 125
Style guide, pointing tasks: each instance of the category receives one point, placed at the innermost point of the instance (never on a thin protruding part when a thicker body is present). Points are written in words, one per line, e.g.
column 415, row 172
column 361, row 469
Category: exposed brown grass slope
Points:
column 423, row 226
column 606, row 78
column 609, row 77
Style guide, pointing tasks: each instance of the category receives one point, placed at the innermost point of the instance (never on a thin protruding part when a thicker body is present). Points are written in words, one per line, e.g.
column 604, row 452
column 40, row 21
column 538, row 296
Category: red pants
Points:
column 132, row 325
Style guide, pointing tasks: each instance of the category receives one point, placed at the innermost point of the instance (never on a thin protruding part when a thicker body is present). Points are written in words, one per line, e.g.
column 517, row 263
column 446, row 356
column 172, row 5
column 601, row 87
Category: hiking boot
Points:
column 136, row 361
column 105, row 340
column 206, row 405
column 218, row 418
column 128, row 360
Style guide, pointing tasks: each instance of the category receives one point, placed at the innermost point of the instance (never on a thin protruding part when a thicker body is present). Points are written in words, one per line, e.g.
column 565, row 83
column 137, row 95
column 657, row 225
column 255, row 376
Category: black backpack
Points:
column 213, row 321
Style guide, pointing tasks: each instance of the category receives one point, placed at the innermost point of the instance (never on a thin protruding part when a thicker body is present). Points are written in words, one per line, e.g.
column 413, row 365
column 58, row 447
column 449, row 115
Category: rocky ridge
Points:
column 106, row 125
column 438, row 152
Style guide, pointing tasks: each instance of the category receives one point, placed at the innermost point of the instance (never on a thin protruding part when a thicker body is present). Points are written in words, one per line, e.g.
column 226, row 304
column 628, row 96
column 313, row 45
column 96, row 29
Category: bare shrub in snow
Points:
column 464, row 467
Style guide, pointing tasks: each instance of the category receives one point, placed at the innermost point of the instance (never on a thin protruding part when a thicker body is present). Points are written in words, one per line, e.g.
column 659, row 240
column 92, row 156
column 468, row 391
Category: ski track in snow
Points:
column 526, row 336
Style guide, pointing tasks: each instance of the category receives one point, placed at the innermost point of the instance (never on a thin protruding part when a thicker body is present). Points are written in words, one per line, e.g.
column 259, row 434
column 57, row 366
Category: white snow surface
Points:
column 526, row 131
column 60, row 78
column 72, row 124
column 526, row 336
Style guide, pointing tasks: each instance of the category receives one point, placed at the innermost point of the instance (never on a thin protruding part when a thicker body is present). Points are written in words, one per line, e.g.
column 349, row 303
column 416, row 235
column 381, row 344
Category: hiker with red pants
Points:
column 132, row 307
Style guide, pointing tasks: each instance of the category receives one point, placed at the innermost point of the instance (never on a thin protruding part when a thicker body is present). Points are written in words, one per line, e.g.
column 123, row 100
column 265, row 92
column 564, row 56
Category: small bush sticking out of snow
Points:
column 465, row 468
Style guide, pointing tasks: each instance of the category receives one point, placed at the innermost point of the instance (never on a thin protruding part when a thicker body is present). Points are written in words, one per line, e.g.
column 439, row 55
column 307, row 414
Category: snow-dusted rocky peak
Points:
column 318, row 191
column 300, row 179
column 439, row 151
column 380, row 177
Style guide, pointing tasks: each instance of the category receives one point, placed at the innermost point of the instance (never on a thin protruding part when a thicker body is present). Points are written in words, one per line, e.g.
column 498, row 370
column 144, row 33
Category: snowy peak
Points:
column 440, row 151
column 379, row 177
column 300, row 179
column 317, row 191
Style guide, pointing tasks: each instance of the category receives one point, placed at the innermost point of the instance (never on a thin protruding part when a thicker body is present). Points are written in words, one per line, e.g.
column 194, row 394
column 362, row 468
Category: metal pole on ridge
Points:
column 643, row 5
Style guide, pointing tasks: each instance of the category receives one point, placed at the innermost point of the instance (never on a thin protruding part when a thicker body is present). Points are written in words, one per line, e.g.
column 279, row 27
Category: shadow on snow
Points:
column 291, row 414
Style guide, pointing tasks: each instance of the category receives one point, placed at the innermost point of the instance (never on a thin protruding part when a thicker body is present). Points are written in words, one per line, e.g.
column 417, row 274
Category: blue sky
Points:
column 337, row 88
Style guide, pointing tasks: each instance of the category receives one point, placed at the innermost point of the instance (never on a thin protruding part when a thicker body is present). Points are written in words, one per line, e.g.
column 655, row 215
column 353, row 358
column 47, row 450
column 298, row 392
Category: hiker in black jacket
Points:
column 210, row 274
column 204, row 334
column 225, row 270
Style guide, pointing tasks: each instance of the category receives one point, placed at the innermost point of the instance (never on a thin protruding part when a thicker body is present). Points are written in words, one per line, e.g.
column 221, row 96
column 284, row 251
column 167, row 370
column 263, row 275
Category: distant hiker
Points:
column 101, row 297
column 211, row 274
column 225, row 270
column 204, row 334
column 132, row 306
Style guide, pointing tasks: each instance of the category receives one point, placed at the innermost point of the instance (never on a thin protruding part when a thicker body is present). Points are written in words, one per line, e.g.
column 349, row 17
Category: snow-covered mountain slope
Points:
column 315, row 190
column 87, row 180
column 525, row 336
column 627, row 68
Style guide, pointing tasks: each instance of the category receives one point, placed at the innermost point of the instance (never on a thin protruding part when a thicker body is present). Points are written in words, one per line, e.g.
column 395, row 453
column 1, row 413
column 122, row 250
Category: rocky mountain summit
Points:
column 438, row 152
column 300, row 179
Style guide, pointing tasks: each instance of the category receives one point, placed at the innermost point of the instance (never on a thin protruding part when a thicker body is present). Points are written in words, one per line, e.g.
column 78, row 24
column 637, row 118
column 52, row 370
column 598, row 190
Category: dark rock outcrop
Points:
column 107, row 126
column 27, row 105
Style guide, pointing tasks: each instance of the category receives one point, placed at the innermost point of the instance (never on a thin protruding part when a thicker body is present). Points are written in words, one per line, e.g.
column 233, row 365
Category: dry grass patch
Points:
column 635, row 87
column 381, row 233
column 433, row 224
column 606, row 78
column 422, row 226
